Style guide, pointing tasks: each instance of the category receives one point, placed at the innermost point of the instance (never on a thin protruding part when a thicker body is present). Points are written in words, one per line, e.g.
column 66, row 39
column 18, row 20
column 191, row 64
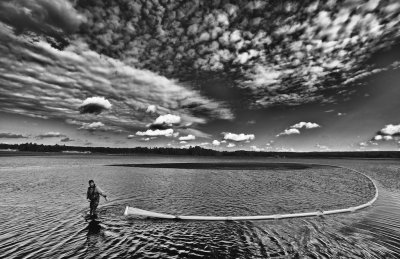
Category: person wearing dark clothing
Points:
column 93, row 196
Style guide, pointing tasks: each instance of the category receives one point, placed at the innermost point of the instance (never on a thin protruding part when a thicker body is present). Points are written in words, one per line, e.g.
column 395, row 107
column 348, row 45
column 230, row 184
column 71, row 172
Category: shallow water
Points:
column 43, row 203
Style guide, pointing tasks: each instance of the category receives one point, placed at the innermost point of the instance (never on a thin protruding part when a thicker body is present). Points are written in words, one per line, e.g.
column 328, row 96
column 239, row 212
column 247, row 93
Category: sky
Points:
column 228, row 75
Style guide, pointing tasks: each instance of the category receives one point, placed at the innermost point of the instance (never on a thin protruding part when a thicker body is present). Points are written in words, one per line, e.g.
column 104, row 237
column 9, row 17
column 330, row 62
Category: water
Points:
column 43, row 203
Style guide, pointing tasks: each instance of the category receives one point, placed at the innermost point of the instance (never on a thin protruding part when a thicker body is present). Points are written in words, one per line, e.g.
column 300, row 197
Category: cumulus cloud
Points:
column 94, row 105
column 157, row 132
column 51, row 134
column 166, row 121
column 294, row 129
column 93, row 126
column 216, row 142
column 387, row 137
column 187, row 138
column 130, row 136
column 391, row 130
column 49, row 18
column 230, row 145
column 11, row 135
column 238, row 137
column 290, row 131
column 307, row 125
column 256, row 149
column 382, row 137
column 151, row 109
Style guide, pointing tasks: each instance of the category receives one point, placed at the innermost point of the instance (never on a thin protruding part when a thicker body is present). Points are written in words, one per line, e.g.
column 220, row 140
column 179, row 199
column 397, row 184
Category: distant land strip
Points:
column 228, row 166
column 13, row 149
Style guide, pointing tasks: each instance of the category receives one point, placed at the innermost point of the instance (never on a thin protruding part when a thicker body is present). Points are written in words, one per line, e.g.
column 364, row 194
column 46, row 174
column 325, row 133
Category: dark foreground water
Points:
column 43, row 202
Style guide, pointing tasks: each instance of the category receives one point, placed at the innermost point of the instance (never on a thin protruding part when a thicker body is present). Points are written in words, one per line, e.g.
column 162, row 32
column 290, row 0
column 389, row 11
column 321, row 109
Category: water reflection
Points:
column 95, row 239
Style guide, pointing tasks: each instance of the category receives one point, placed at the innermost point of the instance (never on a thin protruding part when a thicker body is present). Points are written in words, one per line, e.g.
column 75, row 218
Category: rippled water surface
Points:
column 43, row 202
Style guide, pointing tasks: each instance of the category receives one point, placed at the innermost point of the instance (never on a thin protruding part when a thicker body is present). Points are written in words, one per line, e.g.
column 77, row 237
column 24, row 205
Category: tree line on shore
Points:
column 195, row 151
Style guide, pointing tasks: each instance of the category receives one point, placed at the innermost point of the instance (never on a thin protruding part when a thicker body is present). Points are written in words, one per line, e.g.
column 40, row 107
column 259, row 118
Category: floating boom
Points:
column 151, row 214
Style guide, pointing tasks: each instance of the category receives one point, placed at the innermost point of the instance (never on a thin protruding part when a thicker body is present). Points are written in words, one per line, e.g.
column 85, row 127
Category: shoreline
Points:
column 283, row 157
column 228, row 165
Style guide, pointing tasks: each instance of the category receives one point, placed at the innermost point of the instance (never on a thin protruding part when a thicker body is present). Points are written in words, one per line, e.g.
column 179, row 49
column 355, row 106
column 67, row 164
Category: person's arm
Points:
column 101, row 192
column 87, row 194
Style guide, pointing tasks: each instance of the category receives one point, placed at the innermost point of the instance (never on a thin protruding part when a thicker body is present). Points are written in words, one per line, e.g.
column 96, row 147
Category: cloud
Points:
column 381, row 137
column 166, row 121
column 256, row 149
column 151, row 109
column 157, row 132
column 77, row 72
column 323, row 147
column 66, row 139
column 290, row 131
column 49, row 18
column 391, row 130
column 187, row 138
column 387, row 137
column 294, row 129
column 230, row 145
column 93, row 126
column 238, row 137
column 11, row 135
column 131, row 136
column 183, row 142
column 264, row 77
column 307, row 125
column 51, row 134
column 216, row 142
column 284, row 149
column 94, row 105
column 291, row 56
column 138, row 54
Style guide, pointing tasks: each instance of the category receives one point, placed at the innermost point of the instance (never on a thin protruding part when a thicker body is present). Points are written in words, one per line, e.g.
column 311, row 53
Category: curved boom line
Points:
column 150, row 214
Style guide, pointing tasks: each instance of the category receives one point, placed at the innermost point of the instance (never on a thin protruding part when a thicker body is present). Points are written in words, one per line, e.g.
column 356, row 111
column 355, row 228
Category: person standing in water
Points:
column 93, row 196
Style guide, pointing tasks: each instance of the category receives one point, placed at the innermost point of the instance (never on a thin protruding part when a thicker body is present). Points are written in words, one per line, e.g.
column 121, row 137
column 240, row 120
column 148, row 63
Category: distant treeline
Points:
column 196, row 151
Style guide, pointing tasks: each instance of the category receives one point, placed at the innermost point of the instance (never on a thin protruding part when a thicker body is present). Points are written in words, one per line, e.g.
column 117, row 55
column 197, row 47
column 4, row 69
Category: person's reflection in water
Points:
column 95, row 239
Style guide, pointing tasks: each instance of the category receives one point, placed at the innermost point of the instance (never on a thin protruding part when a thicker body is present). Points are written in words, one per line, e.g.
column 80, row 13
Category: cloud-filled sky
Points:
column 254, row 75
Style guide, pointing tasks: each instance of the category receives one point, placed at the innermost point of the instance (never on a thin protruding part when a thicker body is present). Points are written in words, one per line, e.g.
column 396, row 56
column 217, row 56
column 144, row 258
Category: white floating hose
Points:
column 151, row 214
